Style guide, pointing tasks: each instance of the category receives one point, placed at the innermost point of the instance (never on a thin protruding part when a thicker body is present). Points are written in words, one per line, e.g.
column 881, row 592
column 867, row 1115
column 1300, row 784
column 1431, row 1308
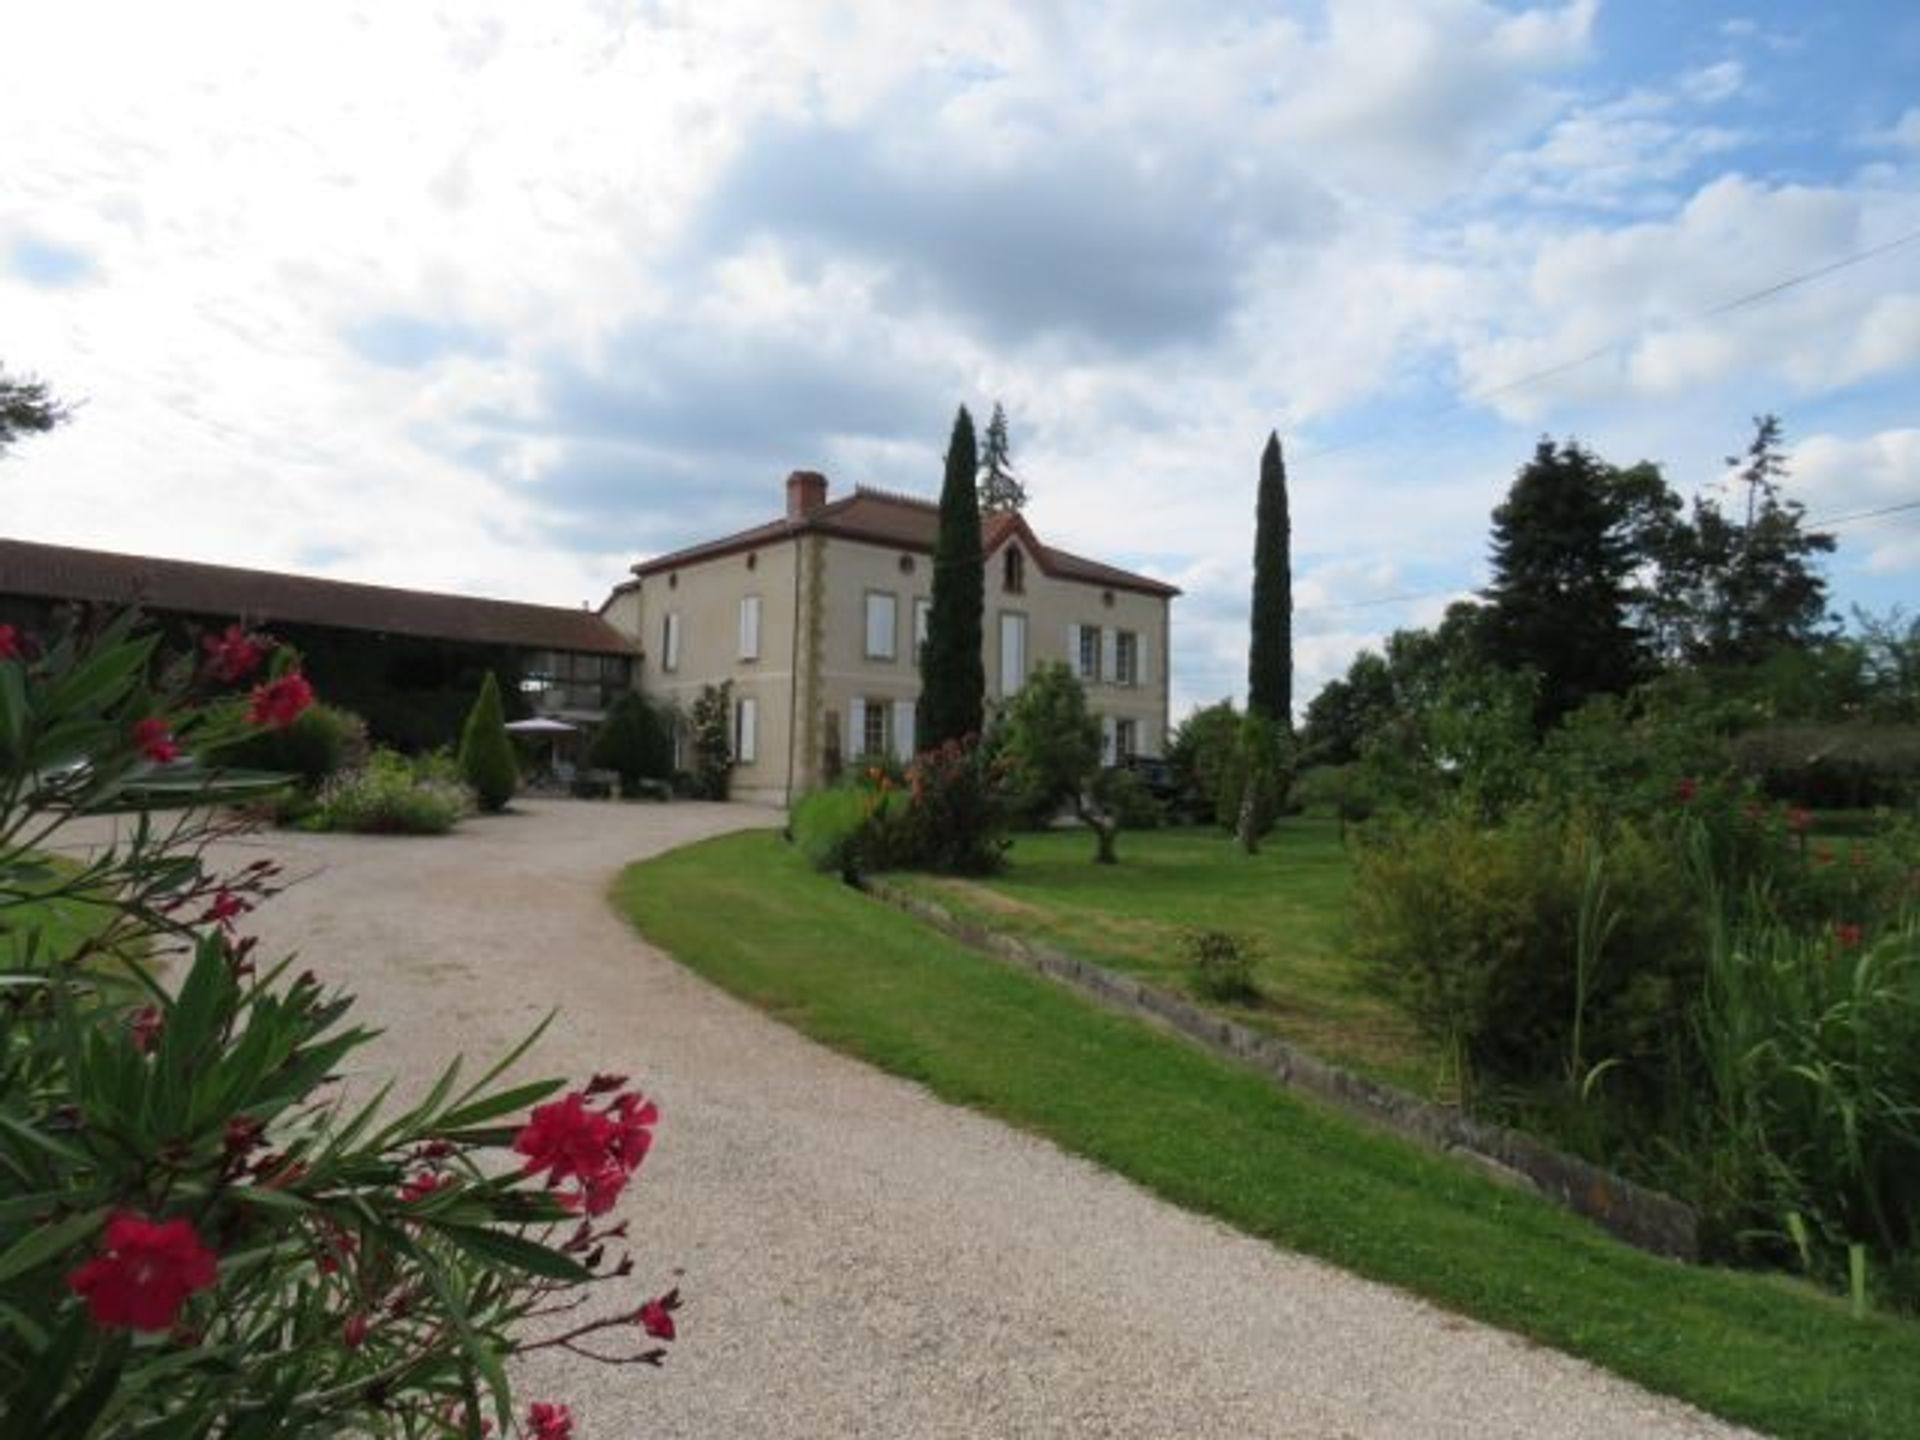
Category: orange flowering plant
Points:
column 200, row 1233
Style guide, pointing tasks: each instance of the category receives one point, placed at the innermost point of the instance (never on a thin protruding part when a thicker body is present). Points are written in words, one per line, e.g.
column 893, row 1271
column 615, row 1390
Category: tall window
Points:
column 1125, row 737
column 1086, row 651
column 881, row 623
column 670, row 641
column 1013, row 576
column 746, row 730
column 1013, row 652
column 749, row 627
column 1126, row 658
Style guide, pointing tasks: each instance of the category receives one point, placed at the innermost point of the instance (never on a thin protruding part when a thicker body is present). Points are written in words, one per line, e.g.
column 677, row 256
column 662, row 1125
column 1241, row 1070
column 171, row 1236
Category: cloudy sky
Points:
column 500, row 297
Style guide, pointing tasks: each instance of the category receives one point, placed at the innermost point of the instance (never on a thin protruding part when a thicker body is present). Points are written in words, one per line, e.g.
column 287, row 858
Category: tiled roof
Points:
column 880, row 517
column 262, row 597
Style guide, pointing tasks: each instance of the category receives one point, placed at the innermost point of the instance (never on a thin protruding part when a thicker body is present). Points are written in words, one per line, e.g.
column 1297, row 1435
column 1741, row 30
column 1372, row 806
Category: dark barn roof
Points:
column 264, row 597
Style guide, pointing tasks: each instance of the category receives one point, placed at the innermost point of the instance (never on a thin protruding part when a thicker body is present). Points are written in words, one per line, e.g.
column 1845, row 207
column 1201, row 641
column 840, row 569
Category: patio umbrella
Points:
column 542, row 725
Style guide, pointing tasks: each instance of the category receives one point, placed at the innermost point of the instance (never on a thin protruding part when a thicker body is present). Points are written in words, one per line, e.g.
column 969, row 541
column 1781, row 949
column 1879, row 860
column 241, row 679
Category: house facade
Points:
column 816, row 619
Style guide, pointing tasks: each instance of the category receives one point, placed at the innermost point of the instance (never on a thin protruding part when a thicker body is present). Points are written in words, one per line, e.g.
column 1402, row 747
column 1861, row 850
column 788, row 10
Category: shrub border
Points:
column 1639, row 1216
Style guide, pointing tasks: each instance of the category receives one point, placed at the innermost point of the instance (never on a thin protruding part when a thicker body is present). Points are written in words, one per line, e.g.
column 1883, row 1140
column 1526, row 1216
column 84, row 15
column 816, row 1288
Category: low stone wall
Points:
column 1631, row 1212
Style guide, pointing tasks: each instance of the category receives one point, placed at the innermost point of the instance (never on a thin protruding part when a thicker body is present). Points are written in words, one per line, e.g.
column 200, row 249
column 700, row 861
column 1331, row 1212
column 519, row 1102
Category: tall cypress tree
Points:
column 953, row 678
column 1270, row 656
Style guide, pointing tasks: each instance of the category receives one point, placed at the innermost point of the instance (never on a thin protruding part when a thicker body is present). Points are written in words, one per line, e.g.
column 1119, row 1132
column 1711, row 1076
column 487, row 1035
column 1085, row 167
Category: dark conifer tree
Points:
column 1563, row 563
column 1270, row 655
column 953, row 677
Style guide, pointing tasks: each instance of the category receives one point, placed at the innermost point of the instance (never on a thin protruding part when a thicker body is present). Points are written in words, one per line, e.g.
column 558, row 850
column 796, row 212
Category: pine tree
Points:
column 953, row 678
column 1000, row 488
column 1563, row 563
column 1270, row 656
column 486, row 754
column 27, row 407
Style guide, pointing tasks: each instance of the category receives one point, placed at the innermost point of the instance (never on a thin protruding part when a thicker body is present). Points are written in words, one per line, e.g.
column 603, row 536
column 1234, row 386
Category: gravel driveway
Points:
column 858, row 1258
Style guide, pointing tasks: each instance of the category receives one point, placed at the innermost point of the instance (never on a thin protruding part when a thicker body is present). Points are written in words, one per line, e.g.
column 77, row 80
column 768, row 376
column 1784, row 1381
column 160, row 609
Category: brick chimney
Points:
column 806, row 492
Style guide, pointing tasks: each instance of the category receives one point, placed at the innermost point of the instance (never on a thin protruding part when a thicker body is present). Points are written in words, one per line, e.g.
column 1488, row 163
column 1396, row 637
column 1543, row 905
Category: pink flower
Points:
column 353, row 1334
column 9, row 643
column 597, row 1149
column 547, row 1421
column 233, row 655
column 1798, row 819
column 144, row 1273
column 153, row 739
column 226, row 905
column 1685, row 789
column 422, row 1185
column 278, row 703
column 656, row 1316
column 145, row 1024
column 1847, row 934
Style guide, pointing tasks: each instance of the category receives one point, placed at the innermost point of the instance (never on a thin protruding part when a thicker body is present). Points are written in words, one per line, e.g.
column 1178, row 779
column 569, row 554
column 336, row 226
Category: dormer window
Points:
column 1014, row 575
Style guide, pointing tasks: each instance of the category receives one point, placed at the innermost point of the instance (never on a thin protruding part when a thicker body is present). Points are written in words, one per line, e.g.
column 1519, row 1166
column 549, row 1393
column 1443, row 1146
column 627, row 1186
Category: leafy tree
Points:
column 1000, row 488
column 953, row 678
column 1735, row 590
column 1200, row 752
column 1270, row 656
column 1563, row 570
column 1257, row 778
column 633, row 742
column 486, row 753
column 1347, row 710
column 27, row 407
column 1052, row 745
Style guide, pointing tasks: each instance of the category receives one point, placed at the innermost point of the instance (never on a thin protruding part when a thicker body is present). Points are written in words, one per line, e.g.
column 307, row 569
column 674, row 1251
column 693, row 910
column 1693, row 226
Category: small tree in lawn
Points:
column 1270, row 655
column 1053, row 747
column 486, row 754
column 953, row 678
column 1256, row 779
column 633, row 742
column 1000, row 488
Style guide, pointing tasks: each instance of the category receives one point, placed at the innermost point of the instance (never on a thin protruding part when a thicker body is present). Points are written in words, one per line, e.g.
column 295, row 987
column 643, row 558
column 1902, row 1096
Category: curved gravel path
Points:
column 860, row 1259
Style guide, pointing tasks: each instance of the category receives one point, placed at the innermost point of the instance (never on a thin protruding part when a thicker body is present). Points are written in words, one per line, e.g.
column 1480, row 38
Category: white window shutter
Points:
column 856, row 727
column 1140, row 659
column 1110, row 655
column 673, row 641
column 1108, row 740
column 903, row 729
column 750, row 627
column 1073, row 651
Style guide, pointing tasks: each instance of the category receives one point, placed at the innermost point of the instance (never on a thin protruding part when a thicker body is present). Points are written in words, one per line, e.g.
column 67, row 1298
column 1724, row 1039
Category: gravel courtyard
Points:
column 859, row 1259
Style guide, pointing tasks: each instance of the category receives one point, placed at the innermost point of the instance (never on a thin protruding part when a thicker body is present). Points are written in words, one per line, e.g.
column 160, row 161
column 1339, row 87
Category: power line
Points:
column 1752, row 297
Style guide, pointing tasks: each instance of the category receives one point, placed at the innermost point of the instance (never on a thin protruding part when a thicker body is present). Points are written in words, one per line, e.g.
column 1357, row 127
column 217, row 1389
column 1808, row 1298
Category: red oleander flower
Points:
column 422, row 1185
column 234, row 655
column 278, row 703
column 656, row 1316
column 353, row 1334
column 1798, row 819
column 153, row 739
column 226, row 905
column 597, row 1149
column 547, row 1421
column 9, row 643
column 144, row 1273
column 146, row 1024
column 1847, row 934
column 1685, row 789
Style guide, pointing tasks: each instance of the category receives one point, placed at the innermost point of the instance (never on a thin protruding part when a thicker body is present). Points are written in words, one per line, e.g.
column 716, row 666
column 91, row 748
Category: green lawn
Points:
column 745, row 912
column 1291, row 898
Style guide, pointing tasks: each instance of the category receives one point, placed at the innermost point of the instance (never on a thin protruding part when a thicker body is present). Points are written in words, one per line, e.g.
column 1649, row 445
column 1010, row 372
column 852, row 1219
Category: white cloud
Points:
column 1838, row 475
column 1711, row 84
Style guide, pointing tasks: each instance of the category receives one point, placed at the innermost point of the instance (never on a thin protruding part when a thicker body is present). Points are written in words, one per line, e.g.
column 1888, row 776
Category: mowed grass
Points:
column 746, row 913
column 1289, row 900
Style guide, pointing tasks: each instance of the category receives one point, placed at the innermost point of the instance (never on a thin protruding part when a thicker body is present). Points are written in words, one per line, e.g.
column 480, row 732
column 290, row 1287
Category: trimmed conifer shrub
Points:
column 486, row 754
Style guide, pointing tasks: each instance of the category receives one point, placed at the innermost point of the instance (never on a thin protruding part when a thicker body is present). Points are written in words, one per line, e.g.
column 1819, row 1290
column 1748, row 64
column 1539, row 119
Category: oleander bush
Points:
column 204, row 1229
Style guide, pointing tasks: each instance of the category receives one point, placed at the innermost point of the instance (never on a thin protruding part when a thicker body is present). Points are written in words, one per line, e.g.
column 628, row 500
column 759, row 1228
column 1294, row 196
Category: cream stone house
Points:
column 816, row 618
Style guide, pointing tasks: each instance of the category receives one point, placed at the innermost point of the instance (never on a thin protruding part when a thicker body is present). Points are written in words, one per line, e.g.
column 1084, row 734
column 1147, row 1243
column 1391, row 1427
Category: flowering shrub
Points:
column 393, row 795
column 198, row 1236
column 956, row 817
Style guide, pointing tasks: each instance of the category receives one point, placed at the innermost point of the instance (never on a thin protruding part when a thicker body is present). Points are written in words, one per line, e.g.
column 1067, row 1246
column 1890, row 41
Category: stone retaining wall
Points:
column 1635, row 1214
